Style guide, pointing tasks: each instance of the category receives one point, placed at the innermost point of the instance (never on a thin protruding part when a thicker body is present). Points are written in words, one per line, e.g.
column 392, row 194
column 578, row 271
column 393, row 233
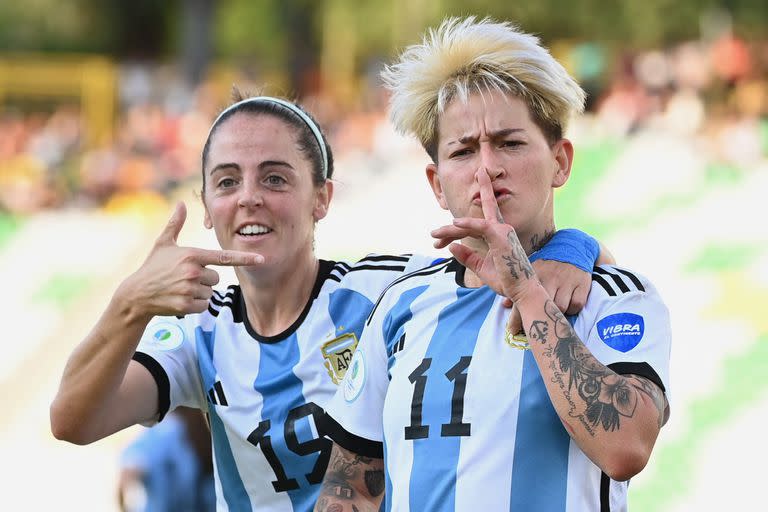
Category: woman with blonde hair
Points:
column 442, row 397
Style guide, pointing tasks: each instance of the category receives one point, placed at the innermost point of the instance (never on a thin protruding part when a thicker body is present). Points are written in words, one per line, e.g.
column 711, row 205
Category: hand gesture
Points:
column 505, row 266
column 175, row 280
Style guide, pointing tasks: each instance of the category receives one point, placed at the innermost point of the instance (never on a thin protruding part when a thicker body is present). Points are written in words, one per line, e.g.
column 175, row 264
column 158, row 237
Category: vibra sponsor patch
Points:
column 621, row 331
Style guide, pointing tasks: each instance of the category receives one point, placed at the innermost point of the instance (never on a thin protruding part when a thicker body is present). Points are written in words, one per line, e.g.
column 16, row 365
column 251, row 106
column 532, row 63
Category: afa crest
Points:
column 338, row 354
column 518, row 341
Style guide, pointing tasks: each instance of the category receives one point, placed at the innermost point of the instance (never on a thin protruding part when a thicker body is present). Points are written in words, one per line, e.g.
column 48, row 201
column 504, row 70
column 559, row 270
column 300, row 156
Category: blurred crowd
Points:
column 716, row 93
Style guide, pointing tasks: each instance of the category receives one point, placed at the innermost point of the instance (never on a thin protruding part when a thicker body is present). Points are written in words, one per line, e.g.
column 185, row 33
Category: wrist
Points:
column 126, row 305
column 532, row 292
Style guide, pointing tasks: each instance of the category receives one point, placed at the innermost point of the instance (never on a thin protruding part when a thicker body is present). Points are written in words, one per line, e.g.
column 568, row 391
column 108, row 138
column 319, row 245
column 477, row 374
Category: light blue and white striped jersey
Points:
column 462, row 418
column 263, row 395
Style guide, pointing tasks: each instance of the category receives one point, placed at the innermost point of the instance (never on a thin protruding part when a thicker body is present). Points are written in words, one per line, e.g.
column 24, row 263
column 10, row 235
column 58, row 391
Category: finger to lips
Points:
column 488, row 202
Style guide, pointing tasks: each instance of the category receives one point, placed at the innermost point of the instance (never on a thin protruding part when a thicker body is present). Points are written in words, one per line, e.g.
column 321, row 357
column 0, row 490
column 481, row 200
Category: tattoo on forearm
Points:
column 607, row 395
column 538, row 331
column 347, row 479
column 517, row 262
column 374, row 481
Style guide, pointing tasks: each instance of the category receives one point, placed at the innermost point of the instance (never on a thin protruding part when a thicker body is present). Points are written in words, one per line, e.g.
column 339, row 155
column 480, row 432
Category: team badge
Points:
column 621, row 331
column 518, row 341
column 163, row 336
column 353, row 384
column 338, row 355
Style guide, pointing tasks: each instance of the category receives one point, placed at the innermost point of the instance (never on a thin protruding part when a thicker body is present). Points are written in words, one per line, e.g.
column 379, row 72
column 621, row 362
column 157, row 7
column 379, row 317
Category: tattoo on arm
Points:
column 653, row 392
column 348, row 479
column 539, row 330
column 608, row 396
column 374, row 481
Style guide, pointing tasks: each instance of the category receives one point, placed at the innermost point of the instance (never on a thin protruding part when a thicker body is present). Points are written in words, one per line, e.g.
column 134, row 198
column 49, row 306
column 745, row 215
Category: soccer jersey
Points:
column 263, row 395
column 461, row 416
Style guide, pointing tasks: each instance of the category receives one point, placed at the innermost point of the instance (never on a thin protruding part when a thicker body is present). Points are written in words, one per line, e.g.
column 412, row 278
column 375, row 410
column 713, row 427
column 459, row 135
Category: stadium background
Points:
column 104, row 105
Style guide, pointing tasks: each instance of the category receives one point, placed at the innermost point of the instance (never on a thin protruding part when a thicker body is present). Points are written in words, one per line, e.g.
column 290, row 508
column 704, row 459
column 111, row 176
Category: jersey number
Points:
column 457, row 375
column 259, row 437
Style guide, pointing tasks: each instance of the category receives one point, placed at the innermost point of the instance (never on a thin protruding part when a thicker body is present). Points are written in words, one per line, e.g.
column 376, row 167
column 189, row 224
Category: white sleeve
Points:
column 353, row 416
column 167, row 349
column 630, row 332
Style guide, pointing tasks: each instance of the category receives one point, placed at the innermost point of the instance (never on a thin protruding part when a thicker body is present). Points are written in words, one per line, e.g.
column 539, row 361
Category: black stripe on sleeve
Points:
column 605, row 493
column 356, row 444
column 616, row 279
column 161, row 379
column 385, row 257
column 632, row 278
column 641, row 369
column 602, row 282
column 396, row 268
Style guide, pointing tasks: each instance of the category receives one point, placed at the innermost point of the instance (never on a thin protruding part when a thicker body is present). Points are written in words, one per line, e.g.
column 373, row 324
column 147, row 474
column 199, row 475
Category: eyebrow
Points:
column 262, row 165
column 499, row 134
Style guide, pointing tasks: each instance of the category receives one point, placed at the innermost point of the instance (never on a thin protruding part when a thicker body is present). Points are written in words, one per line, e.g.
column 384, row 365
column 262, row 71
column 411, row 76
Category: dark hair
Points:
column 308, row 143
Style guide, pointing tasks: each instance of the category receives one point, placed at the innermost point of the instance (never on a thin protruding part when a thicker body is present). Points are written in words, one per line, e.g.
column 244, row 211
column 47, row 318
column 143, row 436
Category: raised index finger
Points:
column 488, row 202
column 226, row 258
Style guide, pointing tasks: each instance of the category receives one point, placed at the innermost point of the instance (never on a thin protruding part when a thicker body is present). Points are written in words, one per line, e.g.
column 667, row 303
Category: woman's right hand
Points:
column 175, row 280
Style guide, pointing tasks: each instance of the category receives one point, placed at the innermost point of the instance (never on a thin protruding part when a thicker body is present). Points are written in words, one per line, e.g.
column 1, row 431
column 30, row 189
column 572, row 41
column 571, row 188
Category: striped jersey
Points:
column 461, row 415
column 263, row 395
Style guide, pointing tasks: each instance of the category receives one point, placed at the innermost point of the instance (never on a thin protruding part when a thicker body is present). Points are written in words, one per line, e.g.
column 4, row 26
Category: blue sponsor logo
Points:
column 622, row 331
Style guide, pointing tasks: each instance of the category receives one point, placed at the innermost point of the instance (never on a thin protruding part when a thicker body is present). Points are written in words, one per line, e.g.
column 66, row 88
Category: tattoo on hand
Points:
column 517, row 262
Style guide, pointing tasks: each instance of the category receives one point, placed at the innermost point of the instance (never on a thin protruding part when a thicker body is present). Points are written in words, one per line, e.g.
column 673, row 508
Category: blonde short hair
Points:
column 466, row 56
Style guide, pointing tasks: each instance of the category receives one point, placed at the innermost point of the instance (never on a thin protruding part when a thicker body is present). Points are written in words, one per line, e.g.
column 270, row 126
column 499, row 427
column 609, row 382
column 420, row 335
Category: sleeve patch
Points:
column 621, row 331
column 354, row 380
column 163, row 336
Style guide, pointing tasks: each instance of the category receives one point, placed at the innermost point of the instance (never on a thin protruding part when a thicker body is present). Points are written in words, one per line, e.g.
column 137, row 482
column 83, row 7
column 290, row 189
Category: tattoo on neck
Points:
column 539, row 241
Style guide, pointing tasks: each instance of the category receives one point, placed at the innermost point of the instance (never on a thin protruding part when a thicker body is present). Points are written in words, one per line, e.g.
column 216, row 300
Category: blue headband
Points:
column 293, row 108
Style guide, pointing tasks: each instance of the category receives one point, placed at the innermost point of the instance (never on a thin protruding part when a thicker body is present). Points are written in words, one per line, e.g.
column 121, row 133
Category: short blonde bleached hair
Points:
column 466, row 56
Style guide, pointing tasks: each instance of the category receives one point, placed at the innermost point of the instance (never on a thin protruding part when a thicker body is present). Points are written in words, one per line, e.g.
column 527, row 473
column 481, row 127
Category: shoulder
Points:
column 371, row 274
column 614, row 281
column 439, row 272
column 617, row 289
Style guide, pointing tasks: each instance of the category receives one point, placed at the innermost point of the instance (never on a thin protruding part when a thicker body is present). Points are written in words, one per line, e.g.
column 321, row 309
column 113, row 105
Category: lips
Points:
column 253, row 229
column 497, row 193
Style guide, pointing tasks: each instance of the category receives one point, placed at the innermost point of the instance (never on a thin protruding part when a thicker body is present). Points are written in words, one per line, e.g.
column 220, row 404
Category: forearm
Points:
column 352, row 483
column 93, row 375
column 614, row 419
